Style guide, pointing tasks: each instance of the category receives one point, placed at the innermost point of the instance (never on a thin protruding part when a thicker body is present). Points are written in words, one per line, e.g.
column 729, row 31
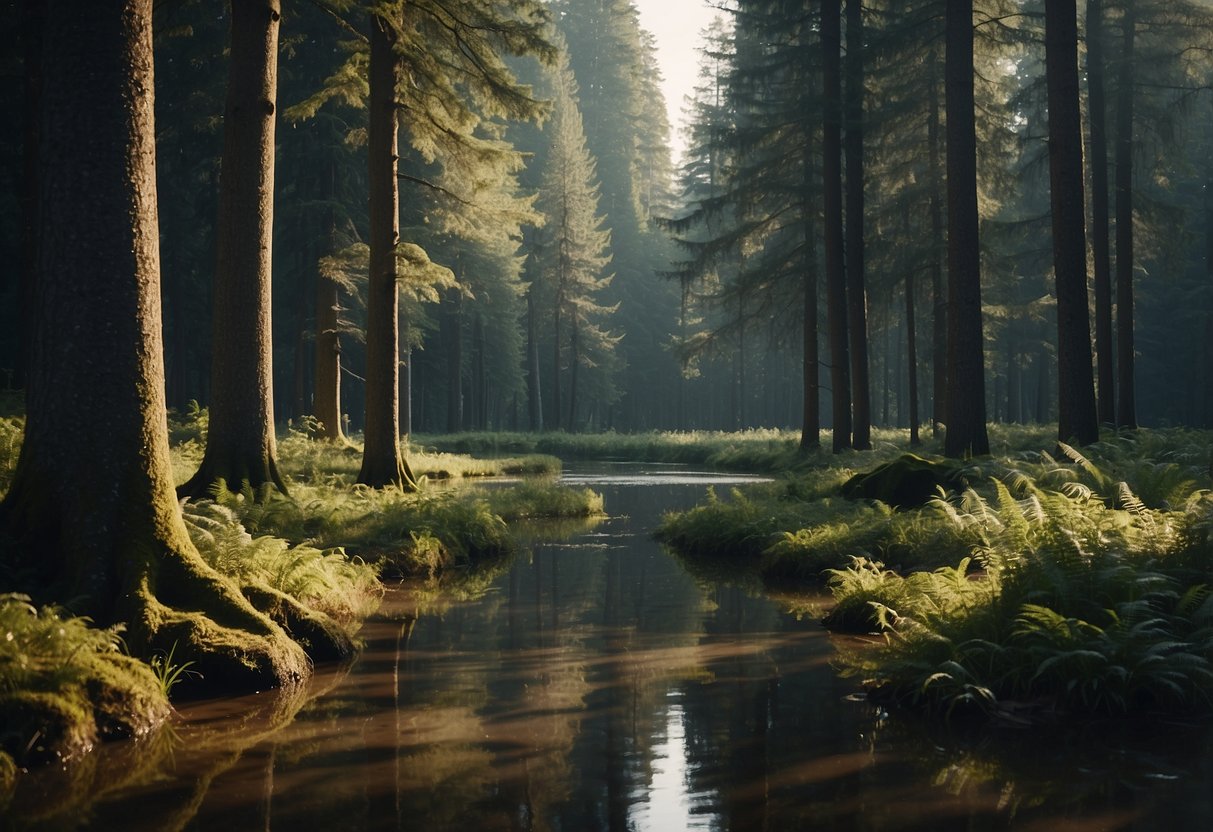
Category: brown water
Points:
column 594, row 684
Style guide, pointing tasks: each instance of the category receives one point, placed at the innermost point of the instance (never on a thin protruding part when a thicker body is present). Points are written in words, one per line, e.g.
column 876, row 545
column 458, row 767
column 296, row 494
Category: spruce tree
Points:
column 571, row 255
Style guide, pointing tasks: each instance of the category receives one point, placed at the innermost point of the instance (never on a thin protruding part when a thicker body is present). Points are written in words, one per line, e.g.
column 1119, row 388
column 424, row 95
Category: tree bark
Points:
column 31, row 34
column 831, row 174
column 1100, row 243
column 966, row 396
column 1076, row 417
column 1126, row 405
column 857, row 297
column 810, row 429
column 911, row 345
column 382, row 463
column 533, row 398
column 574, row 361
column 91, row 515
column 480, row 404
column 452, row 338
column 939, row 298
column 240, row 444
column 554, row 422
column 326, row 397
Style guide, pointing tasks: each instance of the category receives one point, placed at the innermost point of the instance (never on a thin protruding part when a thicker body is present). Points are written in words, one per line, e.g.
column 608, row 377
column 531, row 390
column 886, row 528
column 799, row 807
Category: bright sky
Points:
column 676, row 24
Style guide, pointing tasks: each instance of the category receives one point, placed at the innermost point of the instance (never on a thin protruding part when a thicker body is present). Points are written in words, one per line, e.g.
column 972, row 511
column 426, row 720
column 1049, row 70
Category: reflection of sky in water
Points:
column 646, row 477
column 670, row 803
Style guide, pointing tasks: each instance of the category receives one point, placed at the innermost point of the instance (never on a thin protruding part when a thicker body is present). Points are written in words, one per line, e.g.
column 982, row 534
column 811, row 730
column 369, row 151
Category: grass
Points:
column 750, row 450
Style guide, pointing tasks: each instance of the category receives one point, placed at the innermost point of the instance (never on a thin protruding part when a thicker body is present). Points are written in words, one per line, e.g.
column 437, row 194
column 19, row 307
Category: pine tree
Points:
column 457, row 84
column 571, row 254
column 622, row 105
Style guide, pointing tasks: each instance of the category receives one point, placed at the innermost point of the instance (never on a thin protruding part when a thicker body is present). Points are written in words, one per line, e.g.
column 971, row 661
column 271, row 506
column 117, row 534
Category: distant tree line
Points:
column 826, row 255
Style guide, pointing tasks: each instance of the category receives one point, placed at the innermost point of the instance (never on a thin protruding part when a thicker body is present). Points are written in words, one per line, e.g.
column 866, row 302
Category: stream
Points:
column 594, row 684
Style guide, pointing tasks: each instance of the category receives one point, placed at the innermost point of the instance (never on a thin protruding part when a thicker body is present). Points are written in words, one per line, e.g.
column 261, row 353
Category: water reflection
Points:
column 592, row 684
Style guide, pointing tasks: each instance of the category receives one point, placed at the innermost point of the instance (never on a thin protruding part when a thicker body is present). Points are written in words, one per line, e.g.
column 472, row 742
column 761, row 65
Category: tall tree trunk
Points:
column 857, row 297
column 533, row 398
column 556, row 347
column 240, row 444
column 1100, row 243
column 91, row 515
column 739, row 361
column 810, row 427
column 966, row 396
column 1042, row 387
column 32, row 21
column 939, row 297
column 406, row 389
column 1076, row 416
column 326, row 397
column 382, row 463
column 831, row 174
column 452, row 338
column 1126, row 406
column 574, row 361
column 911, row 344
column 306, row 254
column 480, row 405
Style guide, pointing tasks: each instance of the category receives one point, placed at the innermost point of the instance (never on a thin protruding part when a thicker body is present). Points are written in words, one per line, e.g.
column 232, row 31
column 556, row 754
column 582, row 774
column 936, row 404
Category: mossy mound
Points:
column 111, row 697
column 909, row 481
column 322, row 638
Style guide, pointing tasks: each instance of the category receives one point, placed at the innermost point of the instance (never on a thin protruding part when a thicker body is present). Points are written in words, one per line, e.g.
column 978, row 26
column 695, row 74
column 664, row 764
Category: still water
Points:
column 593, row 684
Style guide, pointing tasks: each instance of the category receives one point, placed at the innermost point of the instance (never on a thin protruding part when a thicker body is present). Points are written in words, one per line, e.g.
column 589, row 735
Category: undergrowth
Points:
column 65, row 685
column 345, row 589
column 1074, row 601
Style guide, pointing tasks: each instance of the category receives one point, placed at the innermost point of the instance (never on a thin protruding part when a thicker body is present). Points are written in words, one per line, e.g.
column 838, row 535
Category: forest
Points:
column 327, row 328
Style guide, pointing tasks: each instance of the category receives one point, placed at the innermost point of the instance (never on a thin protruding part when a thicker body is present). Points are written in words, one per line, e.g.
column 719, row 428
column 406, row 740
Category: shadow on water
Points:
column 592, row 684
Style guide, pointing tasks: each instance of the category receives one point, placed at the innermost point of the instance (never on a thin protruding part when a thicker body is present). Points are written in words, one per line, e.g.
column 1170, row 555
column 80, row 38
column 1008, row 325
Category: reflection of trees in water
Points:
column 162, row 782
column 1143, row 773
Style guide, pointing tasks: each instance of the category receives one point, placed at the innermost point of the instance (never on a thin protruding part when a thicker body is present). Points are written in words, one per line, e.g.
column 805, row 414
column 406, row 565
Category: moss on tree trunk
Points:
column 92, row 517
